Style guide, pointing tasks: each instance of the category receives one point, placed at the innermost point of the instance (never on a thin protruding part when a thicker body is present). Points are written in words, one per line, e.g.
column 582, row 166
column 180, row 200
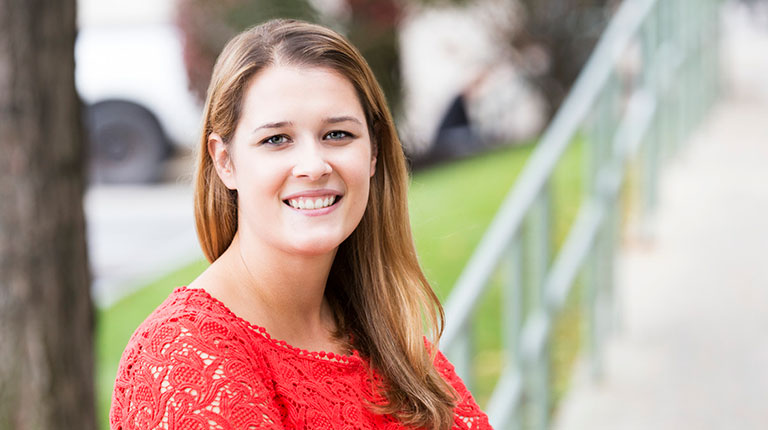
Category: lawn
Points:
column 451, row 206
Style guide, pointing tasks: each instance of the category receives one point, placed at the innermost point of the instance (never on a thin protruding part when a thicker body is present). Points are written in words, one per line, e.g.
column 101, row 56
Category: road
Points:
column 137, row 233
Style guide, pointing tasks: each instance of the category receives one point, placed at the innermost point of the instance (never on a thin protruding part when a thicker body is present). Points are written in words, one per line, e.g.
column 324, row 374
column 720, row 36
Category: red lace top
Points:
column 193, row 364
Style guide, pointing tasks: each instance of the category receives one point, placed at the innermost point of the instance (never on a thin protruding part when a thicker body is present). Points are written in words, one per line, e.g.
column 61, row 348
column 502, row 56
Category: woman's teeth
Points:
column 309, row 203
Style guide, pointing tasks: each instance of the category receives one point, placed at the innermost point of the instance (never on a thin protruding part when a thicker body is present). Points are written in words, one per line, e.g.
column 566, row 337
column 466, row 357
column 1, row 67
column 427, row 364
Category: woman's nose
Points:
column 311, row 162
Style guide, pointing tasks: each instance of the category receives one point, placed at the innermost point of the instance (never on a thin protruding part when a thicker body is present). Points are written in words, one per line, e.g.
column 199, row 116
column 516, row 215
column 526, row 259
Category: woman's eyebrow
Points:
column 338, row 119
column 278, row 124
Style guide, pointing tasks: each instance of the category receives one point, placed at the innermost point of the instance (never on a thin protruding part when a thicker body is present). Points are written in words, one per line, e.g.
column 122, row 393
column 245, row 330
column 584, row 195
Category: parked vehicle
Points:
column 130, row 75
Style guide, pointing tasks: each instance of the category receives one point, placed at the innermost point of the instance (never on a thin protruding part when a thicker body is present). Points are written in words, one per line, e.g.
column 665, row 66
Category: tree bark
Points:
column 46, row 316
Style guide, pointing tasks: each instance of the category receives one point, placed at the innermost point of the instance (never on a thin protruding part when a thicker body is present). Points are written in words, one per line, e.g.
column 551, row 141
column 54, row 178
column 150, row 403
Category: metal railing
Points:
column 649, row 82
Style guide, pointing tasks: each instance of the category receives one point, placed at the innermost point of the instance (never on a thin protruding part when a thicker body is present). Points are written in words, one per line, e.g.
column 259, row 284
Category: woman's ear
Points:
column 374, row 153
column 222, row 160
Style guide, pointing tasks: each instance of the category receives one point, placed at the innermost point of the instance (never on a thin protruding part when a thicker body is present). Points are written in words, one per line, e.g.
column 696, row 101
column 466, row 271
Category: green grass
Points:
column 451, row 206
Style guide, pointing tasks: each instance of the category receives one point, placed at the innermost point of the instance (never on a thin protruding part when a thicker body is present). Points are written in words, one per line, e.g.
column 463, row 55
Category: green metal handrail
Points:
column 650, row 80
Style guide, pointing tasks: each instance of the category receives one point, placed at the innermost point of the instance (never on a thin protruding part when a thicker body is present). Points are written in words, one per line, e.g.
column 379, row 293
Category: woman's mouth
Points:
column 309, row 203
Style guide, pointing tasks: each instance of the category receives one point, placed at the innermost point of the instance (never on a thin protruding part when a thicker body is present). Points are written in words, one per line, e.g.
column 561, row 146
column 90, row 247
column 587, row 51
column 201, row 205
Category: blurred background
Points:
column 472, row 85
column 475, row 87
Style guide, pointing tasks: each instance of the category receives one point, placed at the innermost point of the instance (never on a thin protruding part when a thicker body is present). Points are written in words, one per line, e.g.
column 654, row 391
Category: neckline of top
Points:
column 326, row 357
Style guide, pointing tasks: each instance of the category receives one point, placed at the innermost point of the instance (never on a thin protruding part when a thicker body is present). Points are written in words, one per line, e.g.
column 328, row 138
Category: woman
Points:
column 300, row 202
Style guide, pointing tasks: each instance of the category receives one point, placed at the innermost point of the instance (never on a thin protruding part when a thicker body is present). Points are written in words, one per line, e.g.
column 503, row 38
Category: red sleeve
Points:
column 467, row 414
column 189, row 373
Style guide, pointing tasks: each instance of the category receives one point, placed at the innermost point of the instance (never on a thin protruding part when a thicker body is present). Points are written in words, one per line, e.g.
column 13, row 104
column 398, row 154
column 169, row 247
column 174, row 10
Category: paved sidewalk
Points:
column 136, row 234
column 693, row 352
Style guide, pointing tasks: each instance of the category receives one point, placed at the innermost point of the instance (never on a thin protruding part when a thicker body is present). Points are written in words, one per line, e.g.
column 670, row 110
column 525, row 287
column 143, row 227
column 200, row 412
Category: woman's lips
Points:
column 313, row 200
column 309, row 203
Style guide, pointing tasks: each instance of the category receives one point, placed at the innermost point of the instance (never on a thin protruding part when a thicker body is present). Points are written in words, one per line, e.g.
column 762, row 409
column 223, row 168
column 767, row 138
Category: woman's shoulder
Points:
column 191, row 327
column 180, row 306
column 176, row 357
column 188, row 315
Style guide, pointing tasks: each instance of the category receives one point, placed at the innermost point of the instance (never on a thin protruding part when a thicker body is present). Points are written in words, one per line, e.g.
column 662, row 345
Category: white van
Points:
column 130, row 74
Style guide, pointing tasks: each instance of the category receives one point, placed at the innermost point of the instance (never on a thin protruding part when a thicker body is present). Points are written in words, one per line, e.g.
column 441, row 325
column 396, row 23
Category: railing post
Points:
column 650, row 153
column 607, row 294
column 694, row 97
column 684, row 26
column 684, row 19
column 513, row 298
column 666, row 53
column 711, row 35
column 589, row 280
column 614, row 148
column 461, row 355
column 599, row 153
column 537, row 228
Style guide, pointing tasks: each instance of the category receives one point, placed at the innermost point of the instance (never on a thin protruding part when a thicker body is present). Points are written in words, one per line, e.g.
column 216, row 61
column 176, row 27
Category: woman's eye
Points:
column 276, row 140
column 337, row 134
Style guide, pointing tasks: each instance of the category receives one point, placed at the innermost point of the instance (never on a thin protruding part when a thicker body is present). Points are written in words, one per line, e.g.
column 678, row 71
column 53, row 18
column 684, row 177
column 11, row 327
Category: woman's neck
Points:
column 284, row 293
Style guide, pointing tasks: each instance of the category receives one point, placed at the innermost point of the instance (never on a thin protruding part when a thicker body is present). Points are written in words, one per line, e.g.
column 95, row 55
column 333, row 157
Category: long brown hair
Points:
column 376, row 287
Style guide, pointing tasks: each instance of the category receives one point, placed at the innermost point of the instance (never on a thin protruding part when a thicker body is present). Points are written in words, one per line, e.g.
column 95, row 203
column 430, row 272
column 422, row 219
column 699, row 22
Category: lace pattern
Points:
column 193, row 364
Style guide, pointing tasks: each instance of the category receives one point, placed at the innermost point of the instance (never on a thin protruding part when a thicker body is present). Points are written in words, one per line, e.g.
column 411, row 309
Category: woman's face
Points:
column 301, row 160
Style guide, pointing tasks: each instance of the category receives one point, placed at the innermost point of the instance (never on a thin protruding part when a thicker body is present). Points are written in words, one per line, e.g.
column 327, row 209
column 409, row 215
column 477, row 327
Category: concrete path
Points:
column 136, row 234
column 693, row 352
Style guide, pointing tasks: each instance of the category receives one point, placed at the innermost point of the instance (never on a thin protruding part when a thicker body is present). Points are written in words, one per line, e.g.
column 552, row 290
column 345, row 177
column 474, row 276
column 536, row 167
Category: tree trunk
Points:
column 46, row 317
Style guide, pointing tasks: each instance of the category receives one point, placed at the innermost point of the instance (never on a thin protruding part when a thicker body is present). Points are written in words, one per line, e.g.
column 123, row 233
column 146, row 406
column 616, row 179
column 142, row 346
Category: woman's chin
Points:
column 312, row 248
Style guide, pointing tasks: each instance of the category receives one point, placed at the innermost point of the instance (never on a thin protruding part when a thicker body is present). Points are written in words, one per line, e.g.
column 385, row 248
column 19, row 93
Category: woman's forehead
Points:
column 281, row 93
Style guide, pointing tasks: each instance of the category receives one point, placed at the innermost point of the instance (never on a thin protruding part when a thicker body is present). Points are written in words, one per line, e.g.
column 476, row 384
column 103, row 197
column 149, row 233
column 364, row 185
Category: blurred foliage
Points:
column 207, row 25
column 567, row 30
column 372, row 28
column 563, row 32
column 549, row 40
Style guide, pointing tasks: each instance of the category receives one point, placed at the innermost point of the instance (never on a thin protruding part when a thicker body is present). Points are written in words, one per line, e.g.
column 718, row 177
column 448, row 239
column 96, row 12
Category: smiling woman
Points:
column 311, row 312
